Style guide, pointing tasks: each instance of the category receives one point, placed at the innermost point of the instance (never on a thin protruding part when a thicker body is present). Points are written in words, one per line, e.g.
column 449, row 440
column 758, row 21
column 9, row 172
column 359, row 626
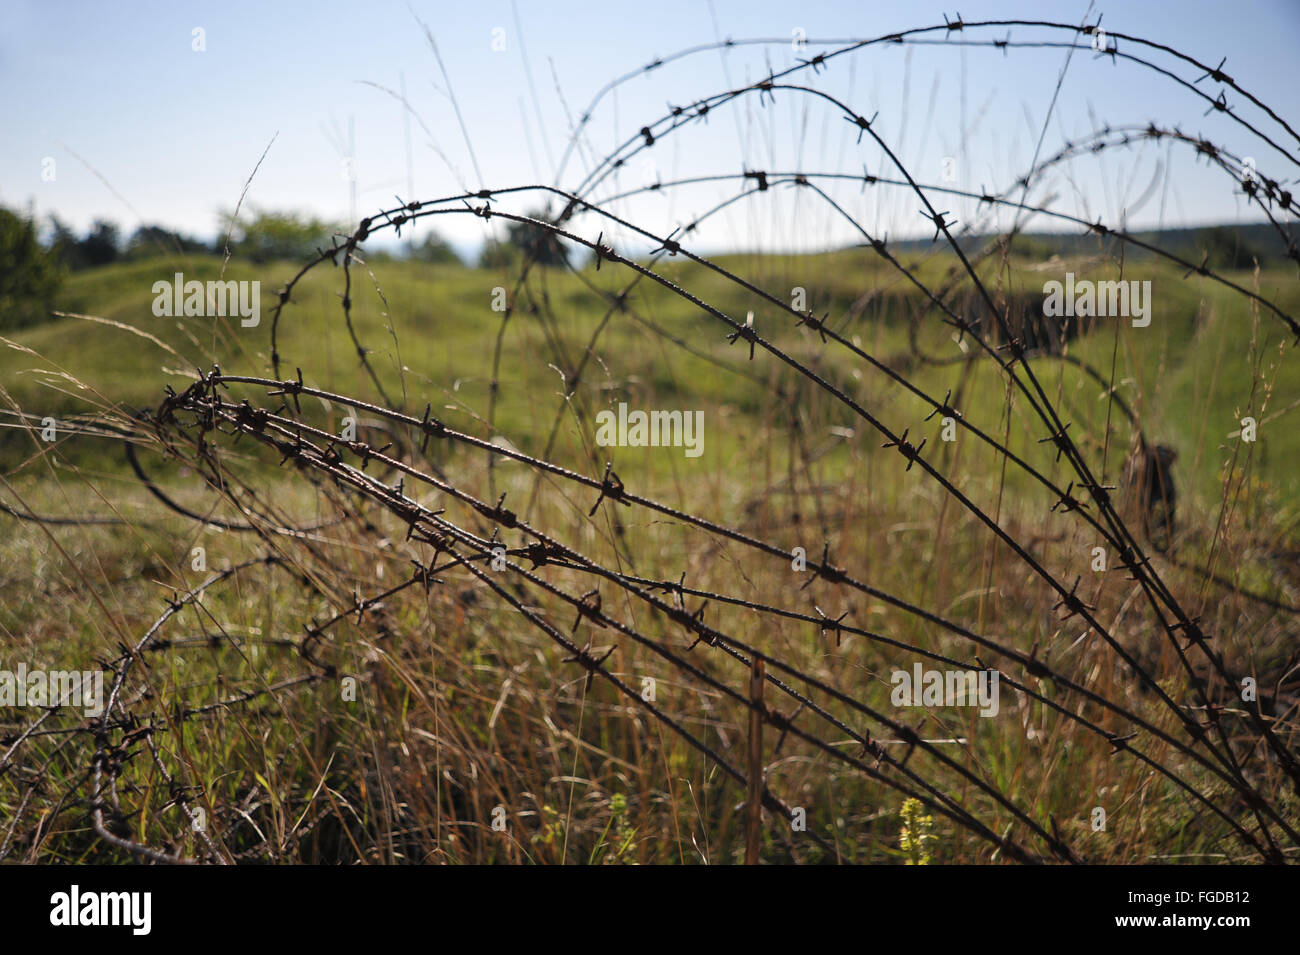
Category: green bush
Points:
column 280, row 236
column 29, row 276
column 536, row 242
column 436, row 251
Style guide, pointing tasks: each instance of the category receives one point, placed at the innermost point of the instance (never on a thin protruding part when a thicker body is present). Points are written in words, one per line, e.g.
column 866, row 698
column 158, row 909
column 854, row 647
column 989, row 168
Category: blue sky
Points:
column 143, row 128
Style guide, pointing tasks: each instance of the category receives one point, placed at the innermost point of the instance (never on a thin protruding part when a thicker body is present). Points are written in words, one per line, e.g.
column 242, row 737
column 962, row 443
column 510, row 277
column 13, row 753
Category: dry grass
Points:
column 353, row 673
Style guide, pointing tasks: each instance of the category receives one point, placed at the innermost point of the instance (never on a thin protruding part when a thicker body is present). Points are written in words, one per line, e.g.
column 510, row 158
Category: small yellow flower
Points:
column 916, row 834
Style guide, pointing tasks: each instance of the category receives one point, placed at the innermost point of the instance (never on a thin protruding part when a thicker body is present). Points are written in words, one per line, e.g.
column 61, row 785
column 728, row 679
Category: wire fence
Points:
column 572, row 548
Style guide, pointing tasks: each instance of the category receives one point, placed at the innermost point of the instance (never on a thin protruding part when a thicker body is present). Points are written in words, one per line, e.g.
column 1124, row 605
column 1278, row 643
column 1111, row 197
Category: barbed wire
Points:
column 1231, row 758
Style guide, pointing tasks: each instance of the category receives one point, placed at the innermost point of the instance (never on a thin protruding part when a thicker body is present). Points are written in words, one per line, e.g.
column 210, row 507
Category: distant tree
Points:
column 29, row 274
column 498, row 255
column 63, row 243
column 102, row 245
column 1226, row 249
column 435, row 250
column 537, row 242
column 280, row 235
column 151, row 240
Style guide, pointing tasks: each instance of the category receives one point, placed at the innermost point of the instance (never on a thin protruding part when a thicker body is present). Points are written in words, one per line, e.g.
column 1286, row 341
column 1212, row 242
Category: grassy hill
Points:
column 464, row 708
column 431, row 338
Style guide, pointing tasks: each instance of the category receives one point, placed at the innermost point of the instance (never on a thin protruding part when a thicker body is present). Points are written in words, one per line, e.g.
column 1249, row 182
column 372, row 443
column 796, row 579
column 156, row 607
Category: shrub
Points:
column 29, row 275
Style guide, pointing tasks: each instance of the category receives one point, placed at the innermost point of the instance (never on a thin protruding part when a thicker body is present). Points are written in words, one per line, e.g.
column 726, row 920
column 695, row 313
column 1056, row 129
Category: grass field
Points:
column 465, row 736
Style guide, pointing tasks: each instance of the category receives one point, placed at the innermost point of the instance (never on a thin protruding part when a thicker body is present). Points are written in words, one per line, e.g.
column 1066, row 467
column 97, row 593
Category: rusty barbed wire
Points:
column 194, row 425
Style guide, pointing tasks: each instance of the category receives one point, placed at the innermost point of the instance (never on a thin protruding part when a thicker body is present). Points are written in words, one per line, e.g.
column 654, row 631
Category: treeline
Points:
column 33, row 265
column 266, row 237
column 34, row 261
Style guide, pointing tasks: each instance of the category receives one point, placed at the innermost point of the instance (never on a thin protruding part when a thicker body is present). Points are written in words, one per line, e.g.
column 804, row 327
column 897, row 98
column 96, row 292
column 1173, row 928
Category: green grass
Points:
column 443, row 329
column 464, row 708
